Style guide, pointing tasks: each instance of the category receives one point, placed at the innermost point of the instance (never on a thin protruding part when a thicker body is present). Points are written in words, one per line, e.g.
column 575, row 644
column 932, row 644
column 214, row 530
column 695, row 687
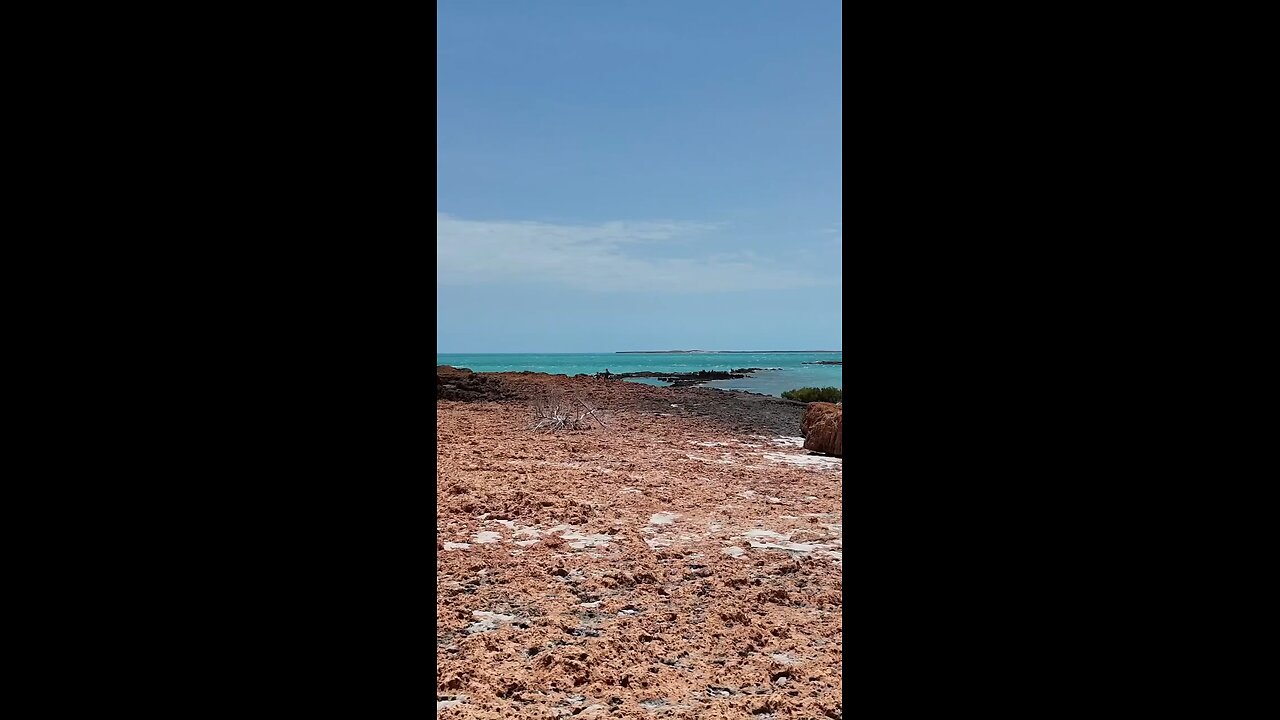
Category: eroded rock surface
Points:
column 822, row 428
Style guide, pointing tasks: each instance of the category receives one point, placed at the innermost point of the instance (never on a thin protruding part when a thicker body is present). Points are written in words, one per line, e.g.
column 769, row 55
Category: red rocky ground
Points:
column 684, row 561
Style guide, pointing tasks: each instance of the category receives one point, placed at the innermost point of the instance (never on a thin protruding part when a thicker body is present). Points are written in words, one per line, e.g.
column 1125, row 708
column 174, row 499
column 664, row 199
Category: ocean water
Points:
column 790, row 372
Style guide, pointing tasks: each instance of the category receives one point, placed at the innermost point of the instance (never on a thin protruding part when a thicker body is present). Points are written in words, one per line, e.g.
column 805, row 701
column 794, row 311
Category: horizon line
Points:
column 639, row 352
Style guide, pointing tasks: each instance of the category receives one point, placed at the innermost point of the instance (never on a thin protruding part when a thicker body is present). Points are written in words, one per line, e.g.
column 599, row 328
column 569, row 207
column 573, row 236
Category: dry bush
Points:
column 553, row 413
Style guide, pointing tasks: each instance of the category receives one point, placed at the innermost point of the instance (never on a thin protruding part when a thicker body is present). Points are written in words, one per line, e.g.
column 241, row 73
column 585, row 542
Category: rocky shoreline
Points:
column 679, row 379
column 730, row 409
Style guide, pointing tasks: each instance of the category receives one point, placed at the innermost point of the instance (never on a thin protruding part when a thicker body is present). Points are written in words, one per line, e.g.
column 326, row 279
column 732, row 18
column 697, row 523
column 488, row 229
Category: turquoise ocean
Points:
column 790, row 369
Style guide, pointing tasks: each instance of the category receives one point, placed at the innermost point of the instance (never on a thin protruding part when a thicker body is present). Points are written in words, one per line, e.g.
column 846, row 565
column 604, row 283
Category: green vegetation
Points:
column 826, row 394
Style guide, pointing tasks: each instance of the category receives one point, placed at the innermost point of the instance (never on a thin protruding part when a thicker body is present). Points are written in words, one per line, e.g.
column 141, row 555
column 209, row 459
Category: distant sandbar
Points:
column 717, row 352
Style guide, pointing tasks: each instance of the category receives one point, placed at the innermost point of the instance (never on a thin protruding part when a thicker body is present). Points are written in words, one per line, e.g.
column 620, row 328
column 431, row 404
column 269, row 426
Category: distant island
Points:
column 717, row 352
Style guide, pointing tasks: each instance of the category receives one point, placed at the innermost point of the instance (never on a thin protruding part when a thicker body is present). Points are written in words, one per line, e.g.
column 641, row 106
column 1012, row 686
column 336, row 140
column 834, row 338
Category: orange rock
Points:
column 822, row 428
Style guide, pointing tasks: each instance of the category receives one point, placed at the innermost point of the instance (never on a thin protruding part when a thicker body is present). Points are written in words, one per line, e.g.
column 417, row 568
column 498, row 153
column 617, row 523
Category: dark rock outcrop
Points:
column 461, row 384
column 679, row 379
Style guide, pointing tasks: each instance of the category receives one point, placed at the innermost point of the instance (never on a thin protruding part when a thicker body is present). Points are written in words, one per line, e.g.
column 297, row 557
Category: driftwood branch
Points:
column 593, row 413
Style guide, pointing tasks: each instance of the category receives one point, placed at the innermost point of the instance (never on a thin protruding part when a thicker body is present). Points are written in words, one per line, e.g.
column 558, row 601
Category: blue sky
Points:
column 638, row 175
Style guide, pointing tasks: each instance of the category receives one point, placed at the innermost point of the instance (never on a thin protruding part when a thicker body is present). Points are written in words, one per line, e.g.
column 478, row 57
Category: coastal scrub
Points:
column 812, row 394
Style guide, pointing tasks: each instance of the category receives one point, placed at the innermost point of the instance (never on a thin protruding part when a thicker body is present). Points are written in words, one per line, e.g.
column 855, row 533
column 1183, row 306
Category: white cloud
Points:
column 600, row 258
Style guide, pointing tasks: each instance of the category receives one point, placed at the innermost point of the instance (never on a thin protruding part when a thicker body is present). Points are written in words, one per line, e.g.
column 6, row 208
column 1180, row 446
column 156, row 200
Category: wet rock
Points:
column 686, row 379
